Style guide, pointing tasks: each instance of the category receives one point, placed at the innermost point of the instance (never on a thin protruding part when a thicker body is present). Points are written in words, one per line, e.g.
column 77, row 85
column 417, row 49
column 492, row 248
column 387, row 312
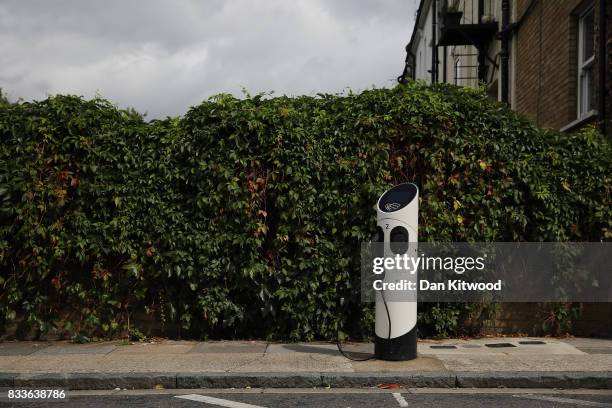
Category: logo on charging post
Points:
column 392, row 206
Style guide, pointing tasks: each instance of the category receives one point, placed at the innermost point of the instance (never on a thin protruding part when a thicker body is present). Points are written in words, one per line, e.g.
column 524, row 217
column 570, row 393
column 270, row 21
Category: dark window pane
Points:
column 588, row 40
column 592, row 92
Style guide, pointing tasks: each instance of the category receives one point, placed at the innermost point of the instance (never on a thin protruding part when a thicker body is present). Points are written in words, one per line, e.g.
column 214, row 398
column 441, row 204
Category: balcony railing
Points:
column 467, row 22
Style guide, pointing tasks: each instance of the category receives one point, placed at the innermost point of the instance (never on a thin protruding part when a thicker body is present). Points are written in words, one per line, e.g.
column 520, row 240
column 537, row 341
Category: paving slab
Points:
column 21, row 348
column 491, row 346
column 309, row 348
column 155, row 348
column 587, row 342
column 531, row 362
column 591, row 346
column 230, row 347
column 428, row 350
column 549, row 349
column 61, row 348
column 125, row 363
column 595, row 350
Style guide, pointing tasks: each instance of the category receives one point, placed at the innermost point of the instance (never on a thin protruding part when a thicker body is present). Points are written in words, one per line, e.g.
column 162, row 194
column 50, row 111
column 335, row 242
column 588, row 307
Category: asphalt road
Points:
column 329, row 398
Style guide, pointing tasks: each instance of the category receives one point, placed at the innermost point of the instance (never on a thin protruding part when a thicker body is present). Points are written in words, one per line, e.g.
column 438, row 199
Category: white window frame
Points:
column 583, row 96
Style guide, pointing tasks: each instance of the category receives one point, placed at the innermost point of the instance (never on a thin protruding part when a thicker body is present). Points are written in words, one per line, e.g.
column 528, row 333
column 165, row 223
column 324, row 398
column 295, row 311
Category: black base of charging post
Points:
column 400, row 348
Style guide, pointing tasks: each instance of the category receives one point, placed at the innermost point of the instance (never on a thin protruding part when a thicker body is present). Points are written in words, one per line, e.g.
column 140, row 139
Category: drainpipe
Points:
column 482, row 67
column 410, row 61
column 504, row 57
column 444, row 64
column 434, row 47
column 603, row 94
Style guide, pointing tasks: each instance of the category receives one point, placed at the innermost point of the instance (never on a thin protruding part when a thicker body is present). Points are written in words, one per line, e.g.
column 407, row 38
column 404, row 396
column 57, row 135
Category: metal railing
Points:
column 474, row 11
column 465, row 75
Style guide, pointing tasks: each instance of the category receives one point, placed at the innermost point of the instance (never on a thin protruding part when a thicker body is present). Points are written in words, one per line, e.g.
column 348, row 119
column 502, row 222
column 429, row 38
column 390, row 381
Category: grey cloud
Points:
column 164, row 56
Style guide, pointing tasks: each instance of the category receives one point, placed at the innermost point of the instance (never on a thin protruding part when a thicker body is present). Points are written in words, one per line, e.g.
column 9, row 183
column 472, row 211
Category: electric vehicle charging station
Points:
column 397, row 228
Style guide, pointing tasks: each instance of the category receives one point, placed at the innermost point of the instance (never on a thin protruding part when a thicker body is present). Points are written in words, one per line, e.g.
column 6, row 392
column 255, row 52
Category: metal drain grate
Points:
column 532, row 342
column 499, row 345
column 443, row 347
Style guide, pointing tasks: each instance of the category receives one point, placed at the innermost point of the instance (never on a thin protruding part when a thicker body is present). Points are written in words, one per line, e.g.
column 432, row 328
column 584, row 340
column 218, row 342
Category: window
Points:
column 586, row 63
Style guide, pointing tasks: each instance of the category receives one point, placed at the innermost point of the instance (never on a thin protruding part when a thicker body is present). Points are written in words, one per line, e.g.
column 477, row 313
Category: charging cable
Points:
column 372, row 357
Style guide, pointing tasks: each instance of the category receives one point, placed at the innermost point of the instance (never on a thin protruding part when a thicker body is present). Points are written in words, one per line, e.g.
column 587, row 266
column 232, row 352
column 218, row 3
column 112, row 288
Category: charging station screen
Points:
column 398, row 197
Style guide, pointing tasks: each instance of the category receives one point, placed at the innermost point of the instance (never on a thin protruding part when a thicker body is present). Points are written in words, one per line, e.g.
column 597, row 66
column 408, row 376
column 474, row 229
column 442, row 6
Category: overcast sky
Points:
column 161, row 57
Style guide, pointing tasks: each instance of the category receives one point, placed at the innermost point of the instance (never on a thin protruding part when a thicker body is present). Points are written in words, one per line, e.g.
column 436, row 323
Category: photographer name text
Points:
column 449, row 285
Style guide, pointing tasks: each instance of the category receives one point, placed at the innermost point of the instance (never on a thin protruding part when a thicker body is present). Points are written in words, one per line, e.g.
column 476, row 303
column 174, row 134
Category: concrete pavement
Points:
column 488, row 362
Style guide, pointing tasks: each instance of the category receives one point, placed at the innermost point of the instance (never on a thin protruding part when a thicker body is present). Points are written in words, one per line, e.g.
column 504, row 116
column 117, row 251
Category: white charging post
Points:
column 397, row 220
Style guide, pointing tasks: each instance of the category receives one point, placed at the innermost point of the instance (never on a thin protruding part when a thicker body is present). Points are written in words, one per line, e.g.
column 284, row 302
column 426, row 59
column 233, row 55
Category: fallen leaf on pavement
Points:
column 388, row 386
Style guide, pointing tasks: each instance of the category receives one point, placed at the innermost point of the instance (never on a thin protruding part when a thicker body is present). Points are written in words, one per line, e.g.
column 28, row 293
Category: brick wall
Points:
column 545, row 87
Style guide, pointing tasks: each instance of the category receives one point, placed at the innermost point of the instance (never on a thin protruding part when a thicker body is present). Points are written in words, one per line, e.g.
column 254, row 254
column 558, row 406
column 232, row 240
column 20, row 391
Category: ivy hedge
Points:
column 244, row 217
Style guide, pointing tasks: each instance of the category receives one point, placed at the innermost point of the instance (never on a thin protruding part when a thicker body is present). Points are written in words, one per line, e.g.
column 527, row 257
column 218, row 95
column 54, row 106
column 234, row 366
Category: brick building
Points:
column 550, row 60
